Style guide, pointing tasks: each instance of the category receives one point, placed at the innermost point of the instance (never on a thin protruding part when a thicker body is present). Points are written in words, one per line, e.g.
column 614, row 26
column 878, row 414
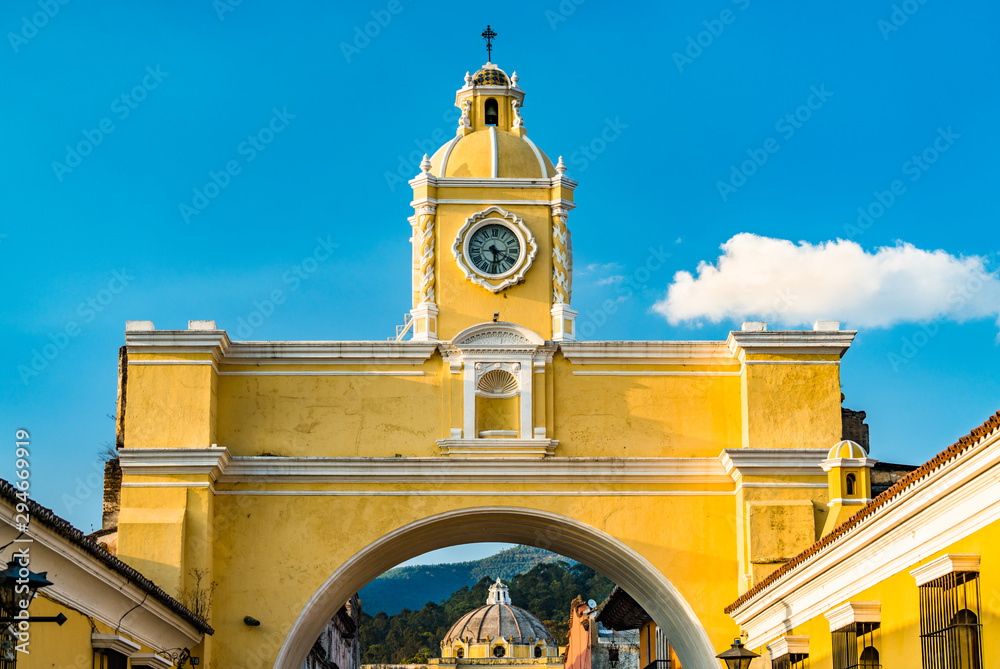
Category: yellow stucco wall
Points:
column 900, row 618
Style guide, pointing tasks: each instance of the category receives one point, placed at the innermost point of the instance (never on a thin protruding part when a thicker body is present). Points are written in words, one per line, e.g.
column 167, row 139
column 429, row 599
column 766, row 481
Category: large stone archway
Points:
column 547, row 530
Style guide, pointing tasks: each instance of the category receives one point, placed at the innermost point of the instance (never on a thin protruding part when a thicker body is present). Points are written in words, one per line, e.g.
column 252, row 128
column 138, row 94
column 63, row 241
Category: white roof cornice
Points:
column 743, row 343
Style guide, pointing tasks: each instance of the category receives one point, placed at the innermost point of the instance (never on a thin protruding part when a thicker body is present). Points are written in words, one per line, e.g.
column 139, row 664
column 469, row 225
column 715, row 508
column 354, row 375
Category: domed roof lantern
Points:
column 499, row 594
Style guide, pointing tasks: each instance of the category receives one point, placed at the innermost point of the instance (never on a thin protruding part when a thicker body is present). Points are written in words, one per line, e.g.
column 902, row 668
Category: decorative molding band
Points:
column 858, row 463
column 500, row 182
column 789, row 342
column 648, row 353
column 944, row 565
column 791, row 362
column 652, row 373
column 423, row 471
column 174, row 461
column 787, row 645
column 740, row 462
column 843, row 501
column 482, row 493
column 818, row 486
column 537, row 203
column 323, row 373
column 114, row 643
column 150, row 660
column 168, row 484
column 854, row 612
column 539, row 448
column 172, row 362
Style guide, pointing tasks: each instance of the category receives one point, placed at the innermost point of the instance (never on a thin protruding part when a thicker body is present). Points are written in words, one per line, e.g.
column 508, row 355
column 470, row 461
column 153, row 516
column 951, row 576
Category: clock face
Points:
column 494, row 249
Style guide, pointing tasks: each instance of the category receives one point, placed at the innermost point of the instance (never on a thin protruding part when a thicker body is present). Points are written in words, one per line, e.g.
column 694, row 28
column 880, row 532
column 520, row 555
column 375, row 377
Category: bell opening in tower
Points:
column 492, row 112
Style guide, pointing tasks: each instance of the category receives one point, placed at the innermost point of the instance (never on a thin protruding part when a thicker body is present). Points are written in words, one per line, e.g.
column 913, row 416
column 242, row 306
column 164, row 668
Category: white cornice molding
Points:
column 499, row 182
column 470, row 470
column 649, row 353
column 741, row 462
column 854, row 612
column 174, row 461
column 944, row 565
column 789, row 342
column 218, row 344
column 924, row 519
column 114, row 643
column 786, row 645
column 150, row 660
column 849, row 463
column 525, row 448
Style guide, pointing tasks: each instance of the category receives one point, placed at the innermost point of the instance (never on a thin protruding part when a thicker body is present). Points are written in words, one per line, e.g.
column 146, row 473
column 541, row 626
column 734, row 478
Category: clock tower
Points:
column 489, row 222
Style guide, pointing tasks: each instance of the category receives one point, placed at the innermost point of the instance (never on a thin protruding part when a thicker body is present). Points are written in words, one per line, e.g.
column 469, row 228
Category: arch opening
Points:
column 554, row 532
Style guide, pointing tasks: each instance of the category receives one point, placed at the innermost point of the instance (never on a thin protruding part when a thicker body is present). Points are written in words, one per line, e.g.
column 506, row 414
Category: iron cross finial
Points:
column 489, row 36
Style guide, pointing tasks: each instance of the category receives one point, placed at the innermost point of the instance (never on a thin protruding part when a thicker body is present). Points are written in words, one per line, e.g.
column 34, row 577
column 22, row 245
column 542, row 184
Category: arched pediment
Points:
column 493, row 334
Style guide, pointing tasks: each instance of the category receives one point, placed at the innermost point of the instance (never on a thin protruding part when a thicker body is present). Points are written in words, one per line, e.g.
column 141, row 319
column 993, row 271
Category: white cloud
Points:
column 796, row 284
column 614, row 278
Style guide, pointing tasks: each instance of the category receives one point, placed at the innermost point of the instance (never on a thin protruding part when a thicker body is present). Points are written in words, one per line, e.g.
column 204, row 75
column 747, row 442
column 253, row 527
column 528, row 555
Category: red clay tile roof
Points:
column 63, row 528
column 928, row 468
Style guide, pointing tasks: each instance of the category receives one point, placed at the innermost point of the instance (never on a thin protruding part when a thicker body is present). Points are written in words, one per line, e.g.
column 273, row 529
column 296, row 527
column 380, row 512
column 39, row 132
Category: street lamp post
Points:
column 18, row 585
column 738, row 656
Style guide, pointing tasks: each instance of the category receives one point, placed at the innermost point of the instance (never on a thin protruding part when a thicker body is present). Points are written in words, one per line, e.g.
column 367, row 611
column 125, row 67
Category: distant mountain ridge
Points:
column 412, row 587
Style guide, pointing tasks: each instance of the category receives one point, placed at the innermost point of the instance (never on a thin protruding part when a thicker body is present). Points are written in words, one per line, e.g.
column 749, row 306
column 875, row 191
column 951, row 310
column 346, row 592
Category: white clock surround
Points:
column 492, row 216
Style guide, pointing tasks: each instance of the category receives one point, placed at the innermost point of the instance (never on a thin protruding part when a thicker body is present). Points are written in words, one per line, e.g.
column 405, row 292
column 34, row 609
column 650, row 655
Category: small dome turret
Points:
column 847, row 449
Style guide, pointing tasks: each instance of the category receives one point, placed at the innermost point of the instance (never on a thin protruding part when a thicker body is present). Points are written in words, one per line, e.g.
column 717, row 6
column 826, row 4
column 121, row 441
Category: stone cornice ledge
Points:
column 537, row 448
column 854, row 612
column 790, row 342
column 741, row 462
column 214, row 342
column 114, row 642
column 944, row 565
column 787, row 645
column 648, row 353
column 470, row 470
column 174, row 461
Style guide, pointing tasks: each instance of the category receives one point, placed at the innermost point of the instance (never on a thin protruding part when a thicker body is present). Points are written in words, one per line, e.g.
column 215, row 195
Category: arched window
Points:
column 852, row 482
column 492, row 112
column 538, row 651
column 967, row 649
column 869, row 658
column 498, row 651
column 459, row 652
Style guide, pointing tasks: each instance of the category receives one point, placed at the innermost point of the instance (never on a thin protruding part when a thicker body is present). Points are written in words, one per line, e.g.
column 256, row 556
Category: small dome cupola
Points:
column 848, row 469
column 499, row 594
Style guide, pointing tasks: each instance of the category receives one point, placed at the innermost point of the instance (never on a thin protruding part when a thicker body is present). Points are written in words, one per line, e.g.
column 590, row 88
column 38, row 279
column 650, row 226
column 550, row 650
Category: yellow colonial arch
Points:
column 561, row 534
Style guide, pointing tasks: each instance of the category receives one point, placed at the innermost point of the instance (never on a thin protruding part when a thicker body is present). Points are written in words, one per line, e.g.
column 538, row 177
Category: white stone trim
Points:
column 150, row 660
column 524, row 447
column 944, row 565
column 651, row 372
column 925, row 519
column 844, row 501
column 500, row 182
column 854, row 612
column 115, row 643
column 447, row 155
column 789, row 484
column 538, row 155
column 480, row 493
column 357, row 372
column 741, row 462
column 791, row 362
column 537, row 203
column 494, row 151
column 174, row 461
column 648, row 353
column 786, row 645
column 798, row 342
column 851, row 463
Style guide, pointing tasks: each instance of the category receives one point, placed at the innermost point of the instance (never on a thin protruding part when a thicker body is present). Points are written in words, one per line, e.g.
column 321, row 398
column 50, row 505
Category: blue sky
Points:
column 684, row 94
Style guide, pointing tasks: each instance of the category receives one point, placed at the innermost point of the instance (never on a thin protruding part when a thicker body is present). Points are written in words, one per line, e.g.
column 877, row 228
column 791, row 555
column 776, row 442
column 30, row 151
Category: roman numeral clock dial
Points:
column 494, row 249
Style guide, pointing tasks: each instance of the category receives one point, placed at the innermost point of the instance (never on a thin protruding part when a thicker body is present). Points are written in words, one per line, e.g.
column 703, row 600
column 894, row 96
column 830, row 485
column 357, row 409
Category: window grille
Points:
column 790, row 661
column 950, row 631
column 856, row 646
